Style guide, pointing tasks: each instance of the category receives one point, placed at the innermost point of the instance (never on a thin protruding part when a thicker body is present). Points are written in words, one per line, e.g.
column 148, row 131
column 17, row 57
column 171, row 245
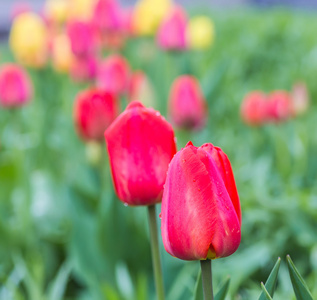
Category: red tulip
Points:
column 140, row 144
column 15, row 86
column 113, row 74
column 94, row 111
column 172, row 32
column 254, row 109
column 201, row 216
column 279, row 106
column 187, row 105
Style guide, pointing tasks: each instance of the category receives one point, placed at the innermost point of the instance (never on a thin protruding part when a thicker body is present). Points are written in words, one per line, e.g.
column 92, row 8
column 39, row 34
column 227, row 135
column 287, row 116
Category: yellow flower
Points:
column 148, row 14
column 81, row 9
column 200, row 33
column 62, row 56
column 28, row 39
column 56, row 10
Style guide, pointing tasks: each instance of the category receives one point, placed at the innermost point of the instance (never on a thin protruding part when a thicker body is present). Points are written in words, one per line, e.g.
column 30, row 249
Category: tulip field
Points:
column 142, row 147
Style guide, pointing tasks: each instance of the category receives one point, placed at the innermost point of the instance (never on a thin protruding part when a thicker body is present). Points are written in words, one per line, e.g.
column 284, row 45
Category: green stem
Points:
column 207, row 279
column 156, row 261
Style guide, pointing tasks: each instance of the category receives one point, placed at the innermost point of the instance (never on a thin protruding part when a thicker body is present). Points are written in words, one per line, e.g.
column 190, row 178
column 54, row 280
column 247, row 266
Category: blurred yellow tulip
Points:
column 29, row 40
column 81, row 10
column 200, row 33
column 56, row 10
column 148, row 15
column 62, row 55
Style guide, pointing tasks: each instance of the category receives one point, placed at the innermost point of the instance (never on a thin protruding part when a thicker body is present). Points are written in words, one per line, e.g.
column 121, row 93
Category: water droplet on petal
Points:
column 126, row 204
column 160, row 215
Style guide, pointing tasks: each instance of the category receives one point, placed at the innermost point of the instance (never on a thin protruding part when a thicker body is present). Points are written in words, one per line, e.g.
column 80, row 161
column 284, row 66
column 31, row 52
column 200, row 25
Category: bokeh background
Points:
column 65, row 235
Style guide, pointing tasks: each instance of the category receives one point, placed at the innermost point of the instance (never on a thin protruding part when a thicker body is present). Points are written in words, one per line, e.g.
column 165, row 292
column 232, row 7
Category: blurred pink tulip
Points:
column 300, row 98
column 83, row 68
column 279, row 106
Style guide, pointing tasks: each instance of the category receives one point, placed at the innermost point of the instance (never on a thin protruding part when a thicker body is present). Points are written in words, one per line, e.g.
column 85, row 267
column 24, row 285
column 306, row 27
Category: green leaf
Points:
column 198, row 292
column 300, row 288
column 223, row 291
column 271, row 281
column 265, row 292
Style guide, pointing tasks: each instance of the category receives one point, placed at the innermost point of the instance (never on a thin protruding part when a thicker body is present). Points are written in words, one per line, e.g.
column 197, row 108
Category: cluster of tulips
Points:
column 258, row 108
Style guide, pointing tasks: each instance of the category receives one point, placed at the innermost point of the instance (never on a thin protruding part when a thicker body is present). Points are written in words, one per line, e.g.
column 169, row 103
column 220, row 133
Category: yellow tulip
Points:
column 28, row 39
column 62, row 56
column 81, row 9
column 148, row 14
column 200, row 33
column 56, row 10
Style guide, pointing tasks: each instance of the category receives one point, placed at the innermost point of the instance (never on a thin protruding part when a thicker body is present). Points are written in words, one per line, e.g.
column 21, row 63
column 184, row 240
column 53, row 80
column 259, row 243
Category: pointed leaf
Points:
column 266, row 293
column 198, row 293
column 300, row 288
column 223, row 291
column 271, row 281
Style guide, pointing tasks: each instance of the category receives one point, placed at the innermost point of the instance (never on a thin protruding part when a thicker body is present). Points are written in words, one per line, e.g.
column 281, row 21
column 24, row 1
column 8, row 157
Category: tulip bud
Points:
column 83, row 68
column 56, row 11
column 62, row 55
column 113, row 74
column 201, row 216
column 94, row 111
column 300, row 98
column 140, row 88
column 15, row 86
column 140, row 144
column 279, row 105
column 200, row 33
column 254, row 108
column 81, row 9
column 187, row 105
column 29, row 50
column 172, row 32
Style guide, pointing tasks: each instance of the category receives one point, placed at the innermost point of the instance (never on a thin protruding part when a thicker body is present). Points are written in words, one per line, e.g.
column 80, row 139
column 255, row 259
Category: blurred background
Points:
column 65, row 235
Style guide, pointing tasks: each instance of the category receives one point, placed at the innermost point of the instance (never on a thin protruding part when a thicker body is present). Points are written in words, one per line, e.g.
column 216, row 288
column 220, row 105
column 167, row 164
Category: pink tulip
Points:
column 16, row 88
column 254, row 109
column 172, row 32
column 201, row 216
column 140, row 144
column 187, row 105
column 113, row 74
column 279, row 106
column 300, row 98
column 94, row 111
column 83, row 68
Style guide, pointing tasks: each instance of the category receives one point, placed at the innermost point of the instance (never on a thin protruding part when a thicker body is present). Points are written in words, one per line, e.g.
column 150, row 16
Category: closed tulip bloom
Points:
column 200, row 33
column 62, row 55
column 172, row 32
column 279, row 106
column 83, row 68
column 254, row 108
column 94, row 111
column 140, row 144
column 29, row 39
column 113, row 74
column 187, row 105
column 15, row 86
column 201, row 216
column 56, row 11
column 81, row 9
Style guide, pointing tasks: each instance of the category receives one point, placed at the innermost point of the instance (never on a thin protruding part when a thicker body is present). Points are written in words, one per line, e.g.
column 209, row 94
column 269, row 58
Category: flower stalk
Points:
column 206, row 274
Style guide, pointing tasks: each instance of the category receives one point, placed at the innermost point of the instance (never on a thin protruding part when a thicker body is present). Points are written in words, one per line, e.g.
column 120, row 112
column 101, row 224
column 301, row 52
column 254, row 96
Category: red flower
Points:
column 113, row 74
column 140, row 144
column 94, row 111
column 187, row 105
column 279, row 106
column 201, row 216
column 15, row 86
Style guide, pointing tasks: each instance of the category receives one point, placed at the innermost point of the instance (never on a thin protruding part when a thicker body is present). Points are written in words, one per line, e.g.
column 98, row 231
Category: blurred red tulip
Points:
column 140, row 144
column 201, row 216
column 16, row 88
column 113, row 74
column 254, row 108
column 94, row 111
column 279, row 106
column 187, row 105
column 172, row 32
column 83, row 68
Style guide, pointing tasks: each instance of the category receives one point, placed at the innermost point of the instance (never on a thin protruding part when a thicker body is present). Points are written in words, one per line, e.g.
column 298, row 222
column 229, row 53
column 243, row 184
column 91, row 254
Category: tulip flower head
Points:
column 254, row 109
column 62, row 55
column 172, row 32
column 201, row 215
column 140, row 144
column 81, row 10
column 15, row 86
column 29, row 50
column 113, row 74
column 187, row 105
column 83, row 68
column 200, row 33
column 94, row 111
column 279, row 106
column 56, row 11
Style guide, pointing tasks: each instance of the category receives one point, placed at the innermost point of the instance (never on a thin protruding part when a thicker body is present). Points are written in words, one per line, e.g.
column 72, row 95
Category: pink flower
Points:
column 94, row 111
column 187, row 105
column 140, row 144
column 113, row 74
column 279, row 106
column 16, row 88
column 201, row 215
column 172, row 32
column 83, row 68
